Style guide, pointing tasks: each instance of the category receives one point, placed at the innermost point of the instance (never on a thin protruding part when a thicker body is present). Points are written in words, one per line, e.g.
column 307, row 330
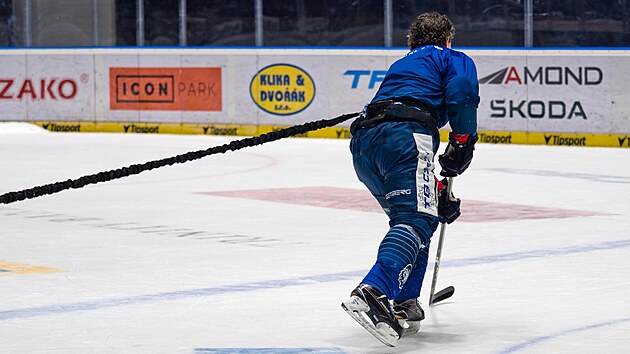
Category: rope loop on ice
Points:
column 135, row 169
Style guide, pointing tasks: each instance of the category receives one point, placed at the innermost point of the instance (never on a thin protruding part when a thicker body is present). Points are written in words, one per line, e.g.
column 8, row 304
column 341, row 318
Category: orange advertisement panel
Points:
column 165, row 89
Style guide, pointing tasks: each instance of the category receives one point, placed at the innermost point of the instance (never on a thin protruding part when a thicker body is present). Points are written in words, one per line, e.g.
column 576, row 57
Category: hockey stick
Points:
column 449, row 290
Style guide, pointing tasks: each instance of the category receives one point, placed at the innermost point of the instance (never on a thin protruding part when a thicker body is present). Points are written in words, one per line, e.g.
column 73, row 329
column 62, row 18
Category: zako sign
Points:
column 165, row 89
column 38, row 89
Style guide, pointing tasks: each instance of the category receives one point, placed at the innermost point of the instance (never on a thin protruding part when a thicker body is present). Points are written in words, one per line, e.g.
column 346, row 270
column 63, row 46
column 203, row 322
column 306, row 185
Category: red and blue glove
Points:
column 458, row 154
column 448, row 205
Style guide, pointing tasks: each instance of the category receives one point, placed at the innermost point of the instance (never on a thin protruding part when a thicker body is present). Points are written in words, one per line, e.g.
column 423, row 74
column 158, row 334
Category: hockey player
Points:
column 393, row 146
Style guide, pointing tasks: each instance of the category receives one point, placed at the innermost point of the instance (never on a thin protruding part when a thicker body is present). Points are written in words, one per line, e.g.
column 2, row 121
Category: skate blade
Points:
column 357, row 308
column 409, row 327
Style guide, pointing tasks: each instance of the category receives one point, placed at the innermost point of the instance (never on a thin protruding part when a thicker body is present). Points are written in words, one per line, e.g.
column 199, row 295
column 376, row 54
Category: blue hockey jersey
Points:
column 443, row 78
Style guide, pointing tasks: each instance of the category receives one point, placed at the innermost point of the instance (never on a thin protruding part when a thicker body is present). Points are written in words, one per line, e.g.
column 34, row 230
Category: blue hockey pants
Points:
column 395, row 161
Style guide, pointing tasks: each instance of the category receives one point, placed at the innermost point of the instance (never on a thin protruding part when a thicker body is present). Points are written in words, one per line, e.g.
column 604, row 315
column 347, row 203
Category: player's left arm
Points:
column 462, row 100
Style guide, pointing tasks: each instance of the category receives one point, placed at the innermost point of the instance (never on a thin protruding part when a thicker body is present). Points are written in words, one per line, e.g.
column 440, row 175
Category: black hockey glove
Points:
column 458, row 154
column 448, row 205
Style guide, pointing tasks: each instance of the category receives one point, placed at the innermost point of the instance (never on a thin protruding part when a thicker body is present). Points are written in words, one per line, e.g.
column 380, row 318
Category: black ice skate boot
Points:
column 372, row 310
column 409, row 314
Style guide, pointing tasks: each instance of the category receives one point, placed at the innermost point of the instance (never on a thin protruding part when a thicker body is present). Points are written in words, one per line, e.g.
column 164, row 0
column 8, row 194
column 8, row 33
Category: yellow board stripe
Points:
column 555, row 139
column 488, row 137
column 11, row 268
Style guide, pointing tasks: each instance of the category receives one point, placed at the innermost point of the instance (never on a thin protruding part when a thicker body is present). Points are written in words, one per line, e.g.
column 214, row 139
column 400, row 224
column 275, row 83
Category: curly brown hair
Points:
column 430, row 28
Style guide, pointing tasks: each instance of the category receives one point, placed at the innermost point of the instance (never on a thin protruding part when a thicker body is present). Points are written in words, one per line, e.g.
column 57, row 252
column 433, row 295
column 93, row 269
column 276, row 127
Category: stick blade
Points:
column 442, row 295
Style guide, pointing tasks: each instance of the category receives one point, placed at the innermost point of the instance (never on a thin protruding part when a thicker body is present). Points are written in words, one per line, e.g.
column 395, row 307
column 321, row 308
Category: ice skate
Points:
column 372, row 310
column 409, row 314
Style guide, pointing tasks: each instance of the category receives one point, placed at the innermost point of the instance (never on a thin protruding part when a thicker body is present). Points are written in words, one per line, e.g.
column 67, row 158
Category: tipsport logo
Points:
column 560, row 140
column 141, row 129
column 495, row 138
column 545, row 75
column 61, row 127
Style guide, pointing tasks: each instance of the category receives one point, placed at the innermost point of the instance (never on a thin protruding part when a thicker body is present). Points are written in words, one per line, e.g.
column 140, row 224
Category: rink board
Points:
column 554, row 97
column 338, row 132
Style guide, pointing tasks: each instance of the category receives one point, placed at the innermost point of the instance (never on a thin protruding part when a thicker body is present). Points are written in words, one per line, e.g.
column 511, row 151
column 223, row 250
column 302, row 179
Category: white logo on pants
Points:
column 403, row 276
column 397, row 192
column 425, row 178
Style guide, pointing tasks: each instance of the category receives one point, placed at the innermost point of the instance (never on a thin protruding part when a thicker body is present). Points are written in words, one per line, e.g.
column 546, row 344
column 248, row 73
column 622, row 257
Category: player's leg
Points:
column 409, row 190
column 394, row 163
column 424, row 221
column 407, row 308
column 368, row 304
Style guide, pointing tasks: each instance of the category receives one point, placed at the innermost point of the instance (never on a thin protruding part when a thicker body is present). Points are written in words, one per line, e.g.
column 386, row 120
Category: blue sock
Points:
column 411, row 290
column 396, row 258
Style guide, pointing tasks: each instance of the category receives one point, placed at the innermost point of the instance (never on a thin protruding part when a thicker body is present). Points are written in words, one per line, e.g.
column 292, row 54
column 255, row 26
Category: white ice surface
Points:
column 151, row 266
column 20, row 128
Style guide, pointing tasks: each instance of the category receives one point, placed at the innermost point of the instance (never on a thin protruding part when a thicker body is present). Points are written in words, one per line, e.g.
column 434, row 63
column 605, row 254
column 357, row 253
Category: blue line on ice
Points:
column 282, row 283
column 536, row 340
column 269, row 350
column 585, row 176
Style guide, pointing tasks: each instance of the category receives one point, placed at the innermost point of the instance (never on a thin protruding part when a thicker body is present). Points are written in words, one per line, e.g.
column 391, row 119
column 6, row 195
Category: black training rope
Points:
column 39, row 191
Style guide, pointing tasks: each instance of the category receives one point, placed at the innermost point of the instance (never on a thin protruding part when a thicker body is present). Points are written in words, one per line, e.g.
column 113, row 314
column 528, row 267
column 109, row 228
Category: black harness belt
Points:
column 396, row 110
